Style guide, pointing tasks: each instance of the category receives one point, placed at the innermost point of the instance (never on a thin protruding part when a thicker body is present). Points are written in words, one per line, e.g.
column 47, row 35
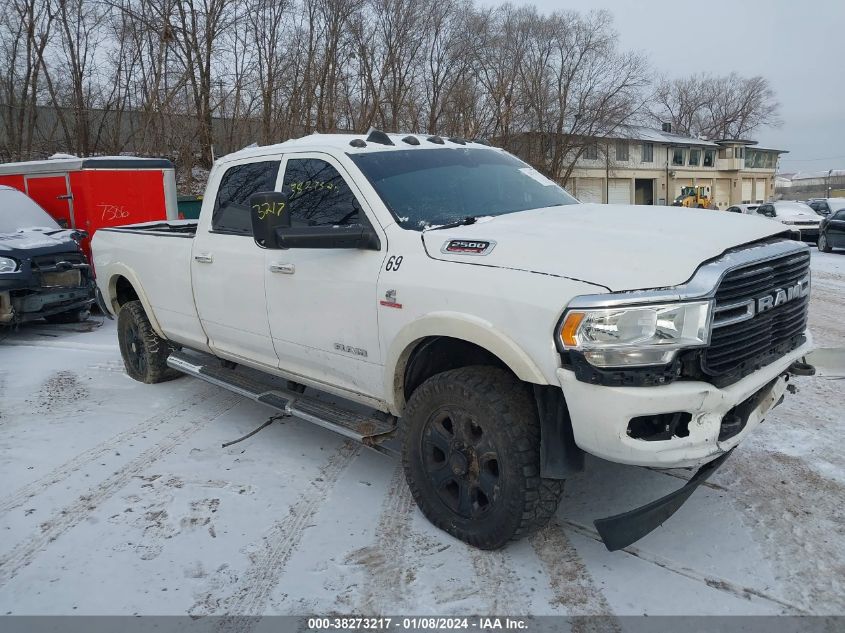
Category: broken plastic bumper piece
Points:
column 621, row 530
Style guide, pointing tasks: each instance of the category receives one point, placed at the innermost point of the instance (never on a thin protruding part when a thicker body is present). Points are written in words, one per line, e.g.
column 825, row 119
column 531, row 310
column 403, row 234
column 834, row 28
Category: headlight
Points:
column 636, row 335
column 8, row 265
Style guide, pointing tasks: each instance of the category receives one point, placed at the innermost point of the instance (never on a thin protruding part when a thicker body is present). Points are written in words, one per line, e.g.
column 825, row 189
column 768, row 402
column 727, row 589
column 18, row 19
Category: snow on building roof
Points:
column 650, row 135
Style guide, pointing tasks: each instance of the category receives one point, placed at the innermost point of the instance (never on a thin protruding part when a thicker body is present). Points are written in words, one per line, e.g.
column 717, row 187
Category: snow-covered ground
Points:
column 117, row 498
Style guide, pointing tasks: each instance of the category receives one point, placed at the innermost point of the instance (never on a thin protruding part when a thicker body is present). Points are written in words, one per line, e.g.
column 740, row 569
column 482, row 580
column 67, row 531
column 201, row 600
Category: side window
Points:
column 318, row 194
column 840, row 215
column 231, row 207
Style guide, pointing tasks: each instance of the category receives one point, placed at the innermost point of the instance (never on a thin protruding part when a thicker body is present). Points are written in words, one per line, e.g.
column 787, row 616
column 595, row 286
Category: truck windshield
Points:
column 431, row 187
column 18, row 211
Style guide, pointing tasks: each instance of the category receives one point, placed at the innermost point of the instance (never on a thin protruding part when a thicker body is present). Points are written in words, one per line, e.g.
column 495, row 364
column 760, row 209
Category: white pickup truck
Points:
column 493, row 328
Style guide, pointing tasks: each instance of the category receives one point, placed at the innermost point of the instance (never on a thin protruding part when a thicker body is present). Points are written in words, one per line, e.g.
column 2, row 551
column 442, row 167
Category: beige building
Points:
column 651, row 166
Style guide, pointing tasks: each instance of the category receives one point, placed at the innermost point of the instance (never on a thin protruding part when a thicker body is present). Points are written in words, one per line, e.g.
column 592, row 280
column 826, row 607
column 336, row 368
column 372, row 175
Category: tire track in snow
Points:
column 255, row 585
column 385, row 561
column 571, row 583
column 720, row 584
column 498, row 582
column 63, row 520
column 60, row 473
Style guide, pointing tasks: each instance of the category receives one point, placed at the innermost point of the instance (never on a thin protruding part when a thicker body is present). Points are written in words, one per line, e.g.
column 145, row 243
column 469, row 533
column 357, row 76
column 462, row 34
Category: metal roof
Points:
column 74, row 163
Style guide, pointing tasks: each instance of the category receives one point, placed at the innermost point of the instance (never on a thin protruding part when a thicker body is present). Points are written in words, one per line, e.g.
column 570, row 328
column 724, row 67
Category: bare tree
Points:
column 25, row 30
column 730, row 106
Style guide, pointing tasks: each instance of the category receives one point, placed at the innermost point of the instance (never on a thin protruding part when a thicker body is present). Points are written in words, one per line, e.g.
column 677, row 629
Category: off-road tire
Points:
column 144, row 352
column 72, row 316
column 823, row 245
column 506, row 414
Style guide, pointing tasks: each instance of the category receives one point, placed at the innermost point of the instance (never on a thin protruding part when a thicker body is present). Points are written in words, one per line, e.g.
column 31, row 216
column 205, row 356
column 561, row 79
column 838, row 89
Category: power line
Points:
column 807, row 160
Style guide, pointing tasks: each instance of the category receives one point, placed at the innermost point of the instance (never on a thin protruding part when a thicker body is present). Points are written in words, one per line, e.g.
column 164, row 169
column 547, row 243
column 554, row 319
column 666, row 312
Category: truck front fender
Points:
column 456, row 325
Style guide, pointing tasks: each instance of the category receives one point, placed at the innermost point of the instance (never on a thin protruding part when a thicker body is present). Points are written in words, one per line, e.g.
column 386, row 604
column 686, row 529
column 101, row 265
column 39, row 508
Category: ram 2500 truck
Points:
column 496, row 328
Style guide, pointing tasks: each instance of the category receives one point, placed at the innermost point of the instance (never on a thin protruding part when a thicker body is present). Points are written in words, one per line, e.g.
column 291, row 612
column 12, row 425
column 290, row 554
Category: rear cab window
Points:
column 239, row 182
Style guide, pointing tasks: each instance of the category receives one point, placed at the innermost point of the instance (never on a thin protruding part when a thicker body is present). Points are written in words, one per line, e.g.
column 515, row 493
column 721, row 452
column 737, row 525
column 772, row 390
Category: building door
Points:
column 643, row 191
column 760, row 190
column 722, row 192
column 747, row 190
column 589, row 189
column 52, row 192
column 619, row 191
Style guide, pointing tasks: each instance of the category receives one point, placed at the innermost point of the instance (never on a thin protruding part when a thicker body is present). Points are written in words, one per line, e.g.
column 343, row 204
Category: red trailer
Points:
column 91, row 193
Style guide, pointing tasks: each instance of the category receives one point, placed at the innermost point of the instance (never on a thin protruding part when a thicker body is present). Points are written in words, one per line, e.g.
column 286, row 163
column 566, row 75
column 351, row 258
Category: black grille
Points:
column 48, row 262
column 740, row 348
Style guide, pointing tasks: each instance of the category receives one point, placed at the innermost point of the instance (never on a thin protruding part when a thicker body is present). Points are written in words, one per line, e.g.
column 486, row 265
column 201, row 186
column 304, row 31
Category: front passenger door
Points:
column 322, row 302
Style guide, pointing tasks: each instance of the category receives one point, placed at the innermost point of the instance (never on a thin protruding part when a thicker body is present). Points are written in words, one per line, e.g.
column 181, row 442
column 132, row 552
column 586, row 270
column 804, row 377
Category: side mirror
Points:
column 268, row 211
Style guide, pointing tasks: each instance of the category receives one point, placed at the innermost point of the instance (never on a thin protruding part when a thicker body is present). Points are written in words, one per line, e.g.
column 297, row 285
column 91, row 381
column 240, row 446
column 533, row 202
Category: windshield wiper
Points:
column 470, row 219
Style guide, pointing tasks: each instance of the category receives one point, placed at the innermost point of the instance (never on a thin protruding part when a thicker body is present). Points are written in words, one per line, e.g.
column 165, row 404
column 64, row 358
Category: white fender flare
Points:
column 119, row 270
column 457, row 325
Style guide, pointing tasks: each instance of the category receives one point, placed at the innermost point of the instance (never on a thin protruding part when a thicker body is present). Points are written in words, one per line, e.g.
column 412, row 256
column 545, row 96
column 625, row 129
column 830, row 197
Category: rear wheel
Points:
column 471, row 454
column 823, row 244
column 144, row 352
column 72, row 316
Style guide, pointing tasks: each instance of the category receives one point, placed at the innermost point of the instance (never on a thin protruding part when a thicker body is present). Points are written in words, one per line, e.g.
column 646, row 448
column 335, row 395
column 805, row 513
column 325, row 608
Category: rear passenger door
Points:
column 228, row 267
column 323, row 302
column 836, row 229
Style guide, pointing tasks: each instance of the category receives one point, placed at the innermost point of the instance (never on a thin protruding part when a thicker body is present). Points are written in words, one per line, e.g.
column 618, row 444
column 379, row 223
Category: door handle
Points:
column 285, row 269
column 203, row 258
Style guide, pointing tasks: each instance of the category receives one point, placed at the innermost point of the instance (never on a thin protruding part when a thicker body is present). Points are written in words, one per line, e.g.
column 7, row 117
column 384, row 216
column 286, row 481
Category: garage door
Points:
column 760, row 191
column 589, row 189
column 722, row 193
column 619, row 191
column 747, row 193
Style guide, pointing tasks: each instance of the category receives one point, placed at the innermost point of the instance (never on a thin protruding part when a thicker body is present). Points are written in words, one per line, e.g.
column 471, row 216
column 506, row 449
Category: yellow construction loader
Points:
column 695, row 197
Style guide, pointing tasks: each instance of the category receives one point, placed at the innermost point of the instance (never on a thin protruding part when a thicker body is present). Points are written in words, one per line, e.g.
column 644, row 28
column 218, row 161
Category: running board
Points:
column 370, row 430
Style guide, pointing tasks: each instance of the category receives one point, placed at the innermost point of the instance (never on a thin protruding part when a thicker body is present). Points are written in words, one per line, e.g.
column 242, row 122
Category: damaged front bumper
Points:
column 20, row 306
column 715, row 420
column 621, row 530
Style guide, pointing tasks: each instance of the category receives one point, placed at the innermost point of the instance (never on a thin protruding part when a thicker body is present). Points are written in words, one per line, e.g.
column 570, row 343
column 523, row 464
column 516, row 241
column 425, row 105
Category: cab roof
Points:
column 373, row 141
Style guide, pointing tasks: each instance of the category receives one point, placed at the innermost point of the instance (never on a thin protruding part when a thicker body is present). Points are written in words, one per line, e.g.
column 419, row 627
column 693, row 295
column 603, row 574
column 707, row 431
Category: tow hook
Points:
column 800, row 368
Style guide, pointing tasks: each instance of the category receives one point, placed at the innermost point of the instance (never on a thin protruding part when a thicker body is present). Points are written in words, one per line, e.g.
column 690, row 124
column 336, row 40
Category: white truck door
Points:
column 228, row 267
column 323, row 302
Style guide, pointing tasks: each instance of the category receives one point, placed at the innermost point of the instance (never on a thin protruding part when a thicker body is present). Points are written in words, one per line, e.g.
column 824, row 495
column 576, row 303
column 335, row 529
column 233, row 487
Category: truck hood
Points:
column 28, row 243
column 620, row 247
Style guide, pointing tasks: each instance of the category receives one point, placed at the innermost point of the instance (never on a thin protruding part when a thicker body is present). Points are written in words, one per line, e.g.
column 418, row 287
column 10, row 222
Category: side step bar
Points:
column 370, row 430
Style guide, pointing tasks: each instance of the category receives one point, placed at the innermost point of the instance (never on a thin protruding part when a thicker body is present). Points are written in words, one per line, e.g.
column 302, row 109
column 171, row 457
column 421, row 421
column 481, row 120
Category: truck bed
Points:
column 164, row 267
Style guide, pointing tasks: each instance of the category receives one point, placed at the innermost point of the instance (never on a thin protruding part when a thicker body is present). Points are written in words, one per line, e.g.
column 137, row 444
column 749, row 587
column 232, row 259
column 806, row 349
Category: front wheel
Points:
column 144, row 352
column 471, row 454
column 823, row 244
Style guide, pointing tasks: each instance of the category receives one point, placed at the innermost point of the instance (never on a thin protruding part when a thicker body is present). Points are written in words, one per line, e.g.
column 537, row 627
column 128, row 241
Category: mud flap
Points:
column 621, row 530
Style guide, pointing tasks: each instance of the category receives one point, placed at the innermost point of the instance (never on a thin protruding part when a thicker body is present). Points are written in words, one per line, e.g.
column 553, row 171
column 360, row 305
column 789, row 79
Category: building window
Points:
column 648, row 152
column 678, row 157
column 694, row 157
column 591, row 152
column 622, row 150
column 739, row 152
column 709, row 157
column 726, row 152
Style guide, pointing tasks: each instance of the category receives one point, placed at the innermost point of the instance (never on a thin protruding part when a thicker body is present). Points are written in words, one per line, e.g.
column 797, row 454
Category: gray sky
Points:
column 798, row 45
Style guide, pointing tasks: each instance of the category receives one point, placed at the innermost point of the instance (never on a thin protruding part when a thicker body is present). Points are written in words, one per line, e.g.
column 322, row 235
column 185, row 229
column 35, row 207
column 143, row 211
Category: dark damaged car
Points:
column 43, row 272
